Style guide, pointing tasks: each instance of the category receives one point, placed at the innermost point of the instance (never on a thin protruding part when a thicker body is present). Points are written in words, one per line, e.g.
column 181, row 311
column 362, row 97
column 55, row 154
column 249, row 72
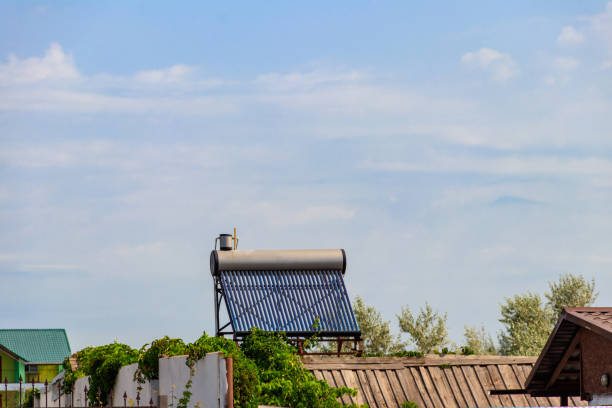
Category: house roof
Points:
column 432, row 381
column 37, row 345
column 557, row 369
column 290, row 301
column 12, row 354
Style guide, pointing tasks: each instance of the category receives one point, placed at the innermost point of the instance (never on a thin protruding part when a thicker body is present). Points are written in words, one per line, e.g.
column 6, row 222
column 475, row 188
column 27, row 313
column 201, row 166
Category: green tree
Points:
column 527, row 325
column 427, row 329
column 528, row 321
column 375, row 331
column 478, row 341
column 570, row 291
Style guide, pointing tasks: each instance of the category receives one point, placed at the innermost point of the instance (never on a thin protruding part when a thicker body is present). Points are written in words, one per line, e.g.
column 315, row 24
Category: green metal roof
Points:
column 37, row 345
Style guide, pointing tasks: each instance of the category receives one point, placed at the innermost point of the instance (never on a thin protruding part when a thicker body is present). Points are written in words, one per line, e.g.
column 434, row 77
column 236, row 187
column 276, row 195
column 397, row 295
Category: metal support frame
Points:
column 220, row 297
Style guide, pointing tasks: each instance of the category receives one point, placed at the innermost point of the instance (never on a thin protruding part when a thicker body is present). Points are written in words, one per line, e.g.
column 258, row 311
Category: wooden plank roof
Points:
column 431, row 381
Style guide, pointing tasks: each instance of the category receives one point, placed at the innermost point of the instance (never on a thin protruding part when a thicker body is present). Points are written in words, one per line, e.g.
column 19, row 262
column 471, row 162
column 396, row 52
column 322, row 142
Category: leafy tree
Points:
column 283, row 379
column 527, row 325
column 427, row 329
column 375, row 331
column 570, row 291
column 528, row 321
column 478, row 341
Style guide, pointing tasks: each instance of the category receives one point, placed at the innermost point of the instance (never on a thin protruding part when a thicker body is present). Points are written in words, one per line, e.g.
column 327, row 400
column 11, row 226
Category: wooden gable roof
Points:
column 432, row 381
column 557, row 369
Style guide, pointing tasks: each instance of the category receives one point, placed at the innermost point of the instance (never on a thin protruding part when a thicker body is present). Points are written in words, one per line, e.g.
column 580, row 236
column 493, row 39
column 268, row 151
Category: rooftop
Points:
column 37, row 345
column 432, row 381
column 557, row 370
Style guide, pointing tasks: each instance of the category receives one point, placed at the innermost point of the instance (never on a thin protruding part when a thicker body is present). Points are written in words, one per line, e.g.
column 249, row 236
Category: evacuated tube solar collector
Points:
column 298, row 292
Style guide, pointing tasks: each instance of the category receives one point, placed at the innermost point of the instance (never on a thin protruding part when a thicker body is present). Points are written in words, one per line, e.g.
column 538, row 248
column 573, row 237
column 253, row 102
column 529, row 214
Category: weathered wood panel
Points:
column 389, row 382
column 410, row 388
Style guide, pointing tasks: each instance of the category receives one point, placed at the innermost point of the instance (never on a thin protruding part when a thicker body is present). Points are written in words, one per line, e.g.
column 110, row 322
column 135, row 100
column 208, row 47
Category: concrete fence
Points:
column 211, row 386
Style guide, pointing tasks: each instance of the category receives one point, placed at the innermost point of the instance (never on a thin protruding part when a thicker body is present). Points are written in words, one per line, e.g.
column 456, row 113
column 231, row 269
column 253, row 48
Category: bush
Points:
column 148, row 359
column 101, row 364
column 283, row 379
column 267, row 370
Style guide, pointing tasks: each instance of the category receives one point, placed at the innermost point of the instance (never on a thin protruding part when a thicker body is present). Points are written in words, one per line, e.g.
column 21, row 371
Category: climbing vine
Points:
column 284, row 381
column 267, row 370
column 102, row 365
column 149, row 355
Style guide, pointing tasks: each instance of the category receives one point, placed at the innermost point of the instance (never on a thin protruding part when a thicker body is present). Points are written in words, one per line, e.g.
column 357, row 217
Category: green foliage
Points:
column 528, row 321
column 31, row 394
column 149, row 355
column 409, row 404
column 401, row 353
column 184, row 400
column 267, row 370
column 467, row 351
column 246, row 379
column 527, row 325
column 570, row 291
column 478, row 341
column 283, row 379
column 70, row 376
column 375, row 332
column 427, row 330
column 102, row 365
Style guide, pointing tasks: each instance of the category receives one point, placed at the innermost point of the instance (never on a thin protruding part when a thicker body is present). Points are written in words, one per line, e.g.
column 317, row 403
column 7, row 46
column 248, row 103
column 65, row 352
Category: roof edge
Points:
column 536, row 366
column 13, row 354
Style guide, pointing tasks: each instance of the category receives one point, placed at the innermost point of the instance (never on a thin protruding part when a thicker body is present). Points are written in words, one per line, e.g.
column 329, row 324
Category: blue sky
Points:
column 459, row 152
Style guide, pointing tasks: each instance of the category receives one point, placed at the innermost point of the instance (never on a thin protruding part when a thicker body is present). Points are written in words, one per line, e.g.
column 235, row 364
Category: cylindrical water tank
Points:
column 226, row 242
column 274, row 260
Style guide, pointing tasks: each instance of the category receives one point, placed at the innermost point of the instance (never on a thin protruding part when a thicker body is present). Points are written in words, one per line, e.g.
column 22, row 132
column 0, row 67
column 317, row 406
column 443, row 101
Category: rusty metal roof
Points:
column 557, row 369
column 432, row 381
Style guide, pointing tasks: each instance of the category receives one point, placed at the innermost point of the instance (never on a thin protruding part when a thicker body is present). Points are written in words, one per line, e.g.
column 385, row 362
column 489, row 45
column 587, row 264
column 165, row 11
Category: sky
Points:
column 460, row 152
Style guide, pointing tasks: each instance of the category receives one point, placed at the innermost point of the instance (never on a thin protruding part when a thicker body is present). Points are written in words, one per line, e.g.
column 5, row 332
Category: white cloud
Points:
column 54, row 65
column 320, row 213
column 69, row 100
column 550, row 80
column 566, row 63
column 121, row 156
column 53, row 83
column 570, row 36
column 501, row 66
column 600, row 259
column 49, row 266
column 306, row 80
column 508, row 166
column 7, row 257
column 173, row 74
column 602, row 22
column 606, row 65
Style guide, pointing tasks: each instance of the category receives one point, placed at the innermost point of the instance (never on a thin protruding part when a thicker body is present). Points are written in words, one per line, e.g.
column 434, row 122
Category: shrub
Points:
column 267, row 370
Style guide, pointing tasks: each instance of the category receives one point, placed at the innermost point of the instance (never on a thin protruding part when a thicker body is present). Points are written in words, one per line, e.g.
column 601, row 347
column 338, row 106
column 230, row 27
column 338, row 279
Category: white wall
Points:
column 601, row 399
column 209, row 382
column 209, row 385
column 124, row 383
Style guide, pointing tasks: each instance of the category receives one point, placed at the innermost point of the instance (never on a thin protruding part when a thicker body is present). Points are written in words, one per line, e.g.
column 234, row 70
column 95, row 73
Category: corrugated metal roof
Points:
column 432, row 381
column 37, row 345
column 288, row 301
